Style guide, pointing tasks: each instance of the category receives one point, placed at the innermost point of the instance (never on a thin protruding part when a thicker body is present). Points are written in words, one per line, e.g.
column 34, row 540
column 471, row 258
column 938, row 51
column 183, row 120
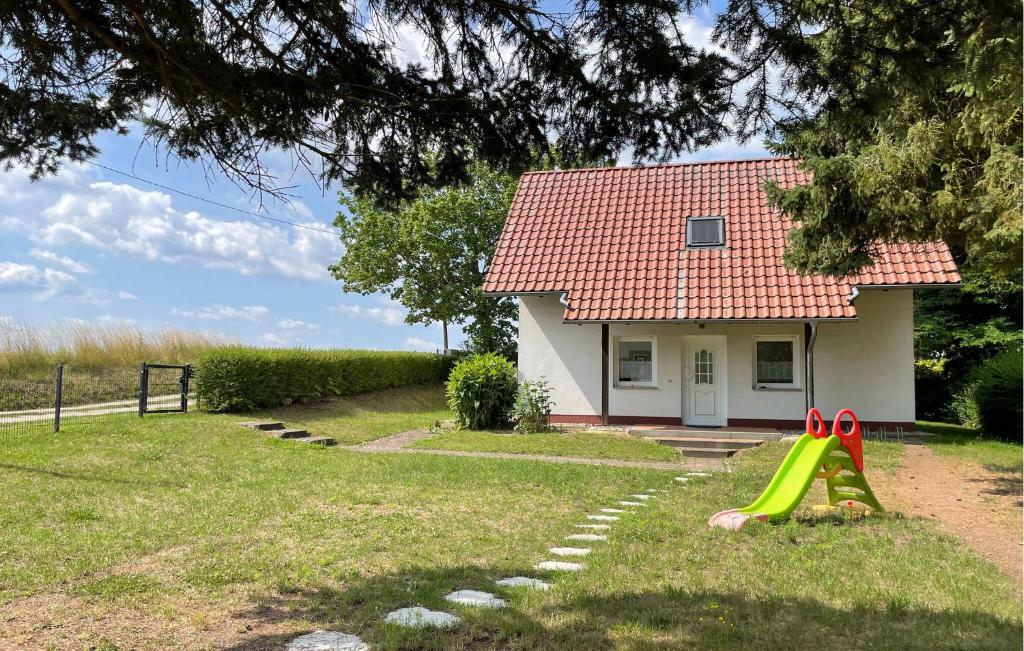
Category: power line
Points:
column 211, row 201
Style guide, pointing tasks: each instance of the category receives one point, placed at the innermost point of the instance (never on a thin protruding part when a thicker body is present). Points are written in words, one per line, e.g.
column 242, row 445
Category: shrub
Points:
column 236, row 378
column 965, row 407
column 481, row 390
column 532, row 407
column 998, row 384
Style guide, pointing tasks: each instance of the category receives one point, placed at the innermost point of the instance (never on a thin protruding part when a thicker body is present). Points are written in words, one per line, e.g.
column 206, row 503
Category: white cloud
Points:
column 273, row 340
column 218, row 312
column 417, row 343
column 60, row 260
column 295, row 324
column 391, row 316
column 126, row 220
column 45, row 282
column 127, row 296
column 108, row 319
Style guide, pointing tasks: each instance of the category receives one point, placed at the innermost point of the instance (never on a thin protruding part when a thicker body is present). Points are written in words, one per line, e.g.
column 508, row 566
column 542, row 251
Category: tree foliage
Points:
column 223, row 80
column 907, row 113
column 431, row 253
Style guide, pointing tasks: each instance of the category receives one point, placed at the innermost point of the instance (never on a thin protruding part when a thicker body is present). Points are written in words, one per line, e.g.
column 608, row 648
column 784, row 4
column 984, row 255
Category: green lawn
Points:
column 596, row 445
column 964, row 443
column 357, row 419
column 189, row 532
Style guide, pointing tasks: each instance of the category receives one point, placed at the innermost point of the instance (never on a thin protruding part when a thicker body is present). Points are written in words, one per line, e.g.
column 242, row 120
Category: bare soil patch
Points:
column 979, row 504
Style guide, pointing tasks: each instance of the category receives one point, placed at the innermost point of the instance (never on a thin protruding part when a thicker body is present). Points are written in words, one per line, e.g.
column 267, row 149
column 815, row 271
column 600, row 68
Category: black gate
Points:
column 152, row 387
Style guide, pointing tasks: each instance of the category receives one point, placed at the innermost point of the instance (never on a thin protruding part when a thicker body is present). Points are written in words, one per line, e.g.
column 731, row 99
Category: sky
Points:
column 90, row 244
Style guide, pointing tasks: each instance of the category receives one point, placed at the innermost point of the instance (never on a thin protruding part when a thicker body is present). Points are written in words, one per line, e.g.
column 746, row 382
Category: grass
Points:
column 189, row 532
column 596, row 445
column 26, row 349
column 356, row 419
column 964, row 443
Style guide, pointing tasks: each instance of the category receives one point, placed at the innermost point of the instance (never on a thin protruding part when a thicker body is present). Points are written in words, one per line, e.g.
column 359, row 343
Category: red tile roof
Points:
column 614, row 239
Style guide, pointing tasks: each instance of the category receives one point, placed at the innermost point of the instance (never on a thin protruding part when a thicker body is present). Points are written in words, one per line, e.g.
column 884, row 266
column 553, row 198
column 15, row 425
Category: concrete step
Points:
column 693, row 442
column 704, row 433
column 263, row 426
column 706, row 453
column 326, row 441
column 288, row 433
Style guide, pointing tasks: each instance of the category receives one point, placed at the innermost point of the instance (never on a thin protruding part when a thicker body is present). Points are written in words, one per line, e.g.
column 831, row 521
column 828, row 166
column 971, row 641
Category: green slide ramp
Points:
column 793, row 478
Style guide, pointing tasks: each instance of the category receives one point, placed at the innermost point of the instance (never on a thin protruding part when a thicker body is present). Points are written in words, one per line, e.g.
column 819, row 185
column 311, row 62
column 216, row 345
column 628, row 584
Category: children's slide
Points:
column 836, row 458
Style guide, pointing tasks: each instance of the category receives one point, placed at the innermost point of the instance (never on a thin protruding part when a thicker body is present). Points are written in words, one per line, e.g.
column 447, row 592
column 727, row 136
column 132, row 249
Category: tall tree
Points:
column 222, row 80
column 430, row 254
column 908, row 114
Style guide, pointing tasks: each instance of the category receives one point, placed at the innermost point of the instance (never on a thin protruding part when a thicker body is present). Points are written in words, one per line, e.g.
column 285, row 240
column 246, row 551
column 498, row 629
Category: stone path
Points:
column 419, row 617
column 400, row 444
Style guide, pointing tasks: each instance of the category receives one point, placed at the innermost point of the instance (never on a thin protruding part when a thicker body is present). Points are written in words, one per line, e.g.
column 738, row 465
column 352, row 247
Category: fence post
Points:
column 58, row 395
column 186, row 371
column 143, row 388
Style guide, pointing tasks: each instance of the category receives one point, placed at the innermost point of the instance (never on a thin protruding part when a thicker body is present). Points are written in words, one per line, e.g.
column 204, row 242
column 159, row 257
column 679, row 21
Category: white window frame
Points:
column 798, row 364
column 636, row 339
column 699, row 245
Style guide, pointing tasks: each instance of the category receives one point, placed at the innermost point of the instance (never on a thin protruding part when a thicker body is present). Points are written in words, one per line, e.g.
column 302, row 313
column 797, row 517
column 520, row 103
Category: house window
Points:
column 704, row 367
column 776, row 362
column 705, row 231
column 635, row 364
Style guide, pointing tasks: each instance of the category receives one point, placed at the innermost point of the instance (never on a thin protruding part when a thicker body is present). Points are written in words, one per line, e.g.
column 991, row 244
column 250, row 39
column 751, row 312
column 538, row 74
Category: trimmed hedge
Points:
column 236, row 378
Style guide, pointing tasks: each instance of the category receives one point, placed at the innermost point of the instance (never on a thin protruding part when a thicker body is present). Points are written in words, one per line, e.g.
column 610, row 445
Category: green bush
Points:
column 532, row 407
column 998, row 384
column 481, row 390
column 236, row 378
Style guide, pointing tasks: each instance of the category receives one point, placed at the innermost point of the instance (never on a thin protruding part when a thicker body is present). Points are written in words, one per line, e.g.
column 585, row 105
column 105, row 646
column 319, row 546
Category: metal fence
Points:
column 43, row 401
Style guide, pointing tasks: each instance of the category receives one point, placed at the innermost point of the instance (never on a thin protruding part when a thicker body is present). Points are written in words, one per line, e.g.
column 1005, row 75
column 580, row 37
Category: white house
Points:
column 658, row 295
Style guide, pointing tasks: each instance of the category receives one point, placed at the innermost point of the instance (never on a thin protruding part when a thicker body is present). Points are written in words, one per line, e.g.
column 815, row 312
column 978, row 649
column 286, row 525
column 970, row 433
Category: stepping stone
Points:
column 613, row 510
column 598, row 527
column 263, row 426
column 698, row 474
column 418, row 617
column 326, row 441
column 589, row 537
column 642, row 497
column 558, row 566
column 569, row 551
column 656, row 490
column 327, row 641
column 523, row 582
column 288, row 433
column 475, row 598
column 603, row 518
column 682, row 479
column 624, row 503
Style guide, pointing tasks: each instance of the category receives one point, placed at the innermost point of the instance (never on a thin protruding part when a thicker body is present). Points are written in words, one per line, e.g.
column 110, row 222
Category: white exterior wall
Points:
column 868, row 366
column 567, row 356
column 875, row 353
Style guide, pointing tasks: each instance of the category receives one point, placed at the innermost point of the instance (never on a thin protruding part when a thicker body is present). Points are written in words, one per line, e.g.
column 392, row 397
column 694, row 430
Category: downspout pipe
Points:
column 810, row 363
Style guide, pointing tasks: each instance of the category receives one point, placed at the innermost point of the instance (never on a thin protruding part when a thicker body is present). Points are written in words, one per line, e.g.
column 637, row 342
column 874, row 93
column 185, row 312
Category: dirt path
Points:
column 981, row 506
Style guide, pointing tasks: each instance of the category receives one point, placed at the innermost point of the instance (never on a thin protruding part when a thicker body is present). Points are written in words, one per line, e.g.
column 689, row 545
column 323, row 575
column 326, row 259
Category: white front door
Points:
column 704, row 366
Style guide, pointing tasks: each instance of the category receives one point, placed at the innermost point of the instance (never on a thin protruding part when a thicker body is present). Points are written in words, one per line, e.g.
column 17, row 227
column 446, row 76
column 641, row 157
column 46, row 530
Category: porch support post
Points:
column 811, row 333
column 604, row 373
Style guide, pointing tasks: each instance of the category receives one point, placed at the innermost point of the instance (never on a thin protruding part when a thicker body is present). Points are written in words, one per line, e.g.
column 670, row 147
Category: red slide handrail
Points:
column 851, row 440
column 818, row 432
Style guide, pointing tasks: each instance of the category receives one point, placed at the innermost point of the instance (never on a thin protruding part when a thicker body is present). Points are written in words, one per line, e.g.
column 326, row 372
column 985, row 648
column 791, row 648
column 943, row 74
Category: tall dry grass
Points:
column 96, row 346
